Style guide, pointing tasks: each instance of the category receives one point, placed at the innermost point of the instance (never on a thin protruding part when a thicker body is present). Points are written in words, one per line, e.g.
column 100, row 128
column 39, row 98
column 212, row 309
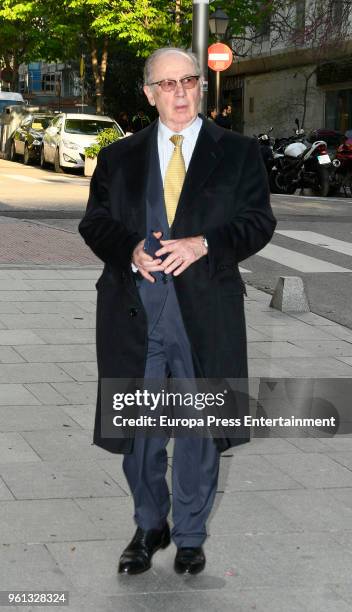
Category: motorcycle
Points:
column 341, row 175
column 300, row 164
column 266, row 149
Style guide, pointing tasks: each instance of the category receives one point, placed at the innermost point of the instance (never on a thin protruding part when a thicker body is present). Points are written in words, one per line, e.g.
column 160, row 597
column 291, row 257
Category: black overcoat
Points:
column 225, row 196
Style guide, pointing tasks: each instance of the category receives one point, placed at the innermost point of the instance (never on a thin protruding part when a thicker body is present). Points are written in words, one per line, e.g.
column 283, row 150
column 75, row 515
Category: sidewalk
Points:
column 281, row 529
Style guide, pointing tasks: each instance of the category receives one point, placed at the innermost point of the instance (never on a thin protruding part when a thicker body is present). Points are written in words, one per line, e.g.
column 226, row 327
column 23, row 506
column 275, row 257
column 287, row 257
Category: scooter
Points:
column 301, row 164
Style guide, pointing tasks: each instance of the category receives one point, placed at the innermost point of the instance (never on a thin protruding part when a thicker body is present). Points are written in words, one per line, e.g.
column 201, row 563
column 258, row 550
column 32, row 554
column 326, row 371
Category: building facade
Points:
column 300, row 69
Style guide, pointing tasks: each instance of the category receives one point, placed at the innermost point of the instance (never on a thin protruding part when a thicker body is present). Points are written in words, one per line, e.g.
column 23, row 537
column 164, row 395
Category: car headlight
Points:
column 70, row 145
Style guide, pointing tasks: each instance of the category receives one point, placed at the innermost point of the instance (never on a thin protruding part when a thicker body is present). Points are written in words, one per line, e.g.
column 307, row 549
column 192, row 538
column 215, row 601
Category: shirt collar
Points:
column 190, row 132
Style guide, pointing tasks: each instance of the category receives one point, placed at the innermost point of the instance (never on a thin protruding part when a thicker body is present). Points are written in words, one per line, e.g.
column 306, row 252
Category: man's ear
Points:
column 149, row 93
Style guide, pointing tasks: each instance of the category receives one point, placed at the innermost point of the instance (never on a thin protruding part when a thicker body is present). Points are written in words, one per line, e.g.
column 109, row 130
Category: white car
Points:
column 68, row 135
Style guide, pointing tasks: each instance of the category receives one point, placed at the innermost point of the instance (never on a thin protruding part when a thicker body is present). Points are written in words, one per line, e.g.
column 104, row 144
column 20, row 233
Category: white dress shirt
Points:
column 166, row 148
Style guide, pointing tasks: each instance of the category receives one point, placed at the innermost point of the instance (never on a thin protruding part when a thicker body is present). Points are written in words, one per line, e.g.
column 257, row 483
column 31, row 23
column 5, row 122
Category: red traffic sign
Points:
column 219, row 57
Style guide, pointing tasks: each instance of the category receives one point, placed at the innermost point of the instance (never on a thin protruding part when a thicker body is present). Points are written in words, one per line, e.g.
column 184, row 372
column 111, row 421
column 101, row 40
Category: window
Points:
column 90, row 127
column 50, row 81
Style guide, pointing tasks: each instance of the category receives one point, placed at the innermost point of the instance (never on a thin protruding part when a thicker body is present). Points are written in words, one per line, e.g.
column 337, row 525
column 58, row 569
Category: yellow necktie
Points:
column 174, row 177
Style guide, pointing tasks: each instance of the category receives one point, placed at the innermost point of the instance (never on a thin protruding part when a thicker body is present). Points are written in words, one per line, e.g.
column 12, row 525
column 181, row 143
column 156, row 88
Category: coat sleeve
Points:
column 253, row 223
column 108, row 238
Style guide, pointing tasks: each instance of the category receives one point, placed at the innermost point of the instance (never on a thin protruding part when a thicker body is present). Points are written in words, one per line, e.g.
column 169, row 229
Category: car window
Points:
column 40, row 123
column 89, row 127
column 4, row 103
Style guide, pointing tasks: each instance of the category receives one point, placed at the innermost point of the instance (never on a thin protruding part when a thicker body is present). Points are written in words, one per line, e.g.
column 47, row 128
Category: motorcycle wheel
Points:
column 277, row 184
column 323, row 182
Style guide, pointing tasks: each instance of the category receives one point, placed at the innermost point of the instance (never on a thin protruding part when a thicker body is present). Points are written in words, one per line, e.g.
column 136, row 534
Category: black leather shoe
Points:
column 136, row 558
column 189, row 560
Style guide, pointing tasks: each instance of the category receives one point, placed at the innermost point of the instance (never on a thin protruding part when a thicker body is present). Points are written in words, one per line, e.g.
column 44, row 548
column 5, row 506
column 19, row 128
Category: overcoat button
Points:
column 133, row 312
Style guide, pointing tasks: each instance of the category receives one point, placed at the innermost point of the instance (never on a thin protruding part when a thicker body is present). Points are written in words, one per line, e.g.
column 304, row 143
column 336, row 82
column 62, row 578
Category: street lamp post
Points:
column 218, row 23
column 200, row 37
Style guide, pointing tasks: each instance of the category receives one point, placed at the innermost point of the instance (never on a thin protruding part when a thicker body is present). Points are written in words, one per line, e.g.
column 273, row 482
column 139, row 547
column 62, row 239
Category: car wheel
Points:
column 43, row 163
column 13, row 154
column 26, row 155
column 57, row 166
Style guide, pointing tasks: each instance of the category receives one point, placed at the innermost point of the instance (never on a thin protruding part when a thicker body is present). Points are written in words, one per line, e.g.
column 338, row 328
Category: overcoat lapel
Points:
column 136, row 166
column 207, row 155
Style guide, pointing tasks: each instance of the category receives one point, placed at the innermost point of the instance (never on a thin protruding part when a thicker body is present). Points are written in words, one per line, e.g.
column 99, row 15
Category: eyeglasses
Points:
column 188, row 82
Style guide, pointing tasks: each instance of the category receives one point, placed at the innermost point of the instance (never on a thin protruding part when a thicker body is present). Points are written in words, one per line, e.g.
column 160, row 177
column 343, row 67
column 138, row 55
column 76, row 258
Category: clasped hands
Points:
column 181, row 253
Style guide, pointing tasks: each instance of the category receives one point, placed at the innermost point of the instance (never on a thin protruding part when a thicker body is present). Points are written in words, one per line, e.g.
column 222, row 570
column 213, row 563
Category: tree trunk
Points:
column 99, row 72
column 305, row 95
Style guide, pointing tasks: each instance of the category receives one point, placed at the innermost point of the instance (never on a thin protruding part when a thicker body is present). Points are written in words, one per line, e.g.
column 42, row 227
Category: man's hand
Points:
column 145, row 263
column 182, row 253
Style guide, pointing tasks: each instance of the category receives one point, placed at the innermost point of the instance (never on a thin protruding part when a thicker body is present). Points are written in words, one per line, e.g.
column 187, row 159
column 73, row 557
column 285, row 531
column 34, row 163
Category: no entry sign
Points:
column 219, row 57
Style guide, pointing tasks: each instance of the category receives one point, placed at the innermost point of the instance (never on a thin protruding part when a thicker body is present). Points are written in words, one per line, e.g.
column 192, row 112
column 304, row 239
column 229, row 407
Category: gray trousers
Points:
column 195, row 464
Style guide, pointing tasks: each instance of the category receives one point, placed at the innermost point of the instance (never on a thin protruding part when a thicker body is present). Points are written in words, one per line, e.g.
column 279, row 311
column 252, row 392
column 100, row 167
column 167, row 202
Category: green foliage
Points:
column 104, row 138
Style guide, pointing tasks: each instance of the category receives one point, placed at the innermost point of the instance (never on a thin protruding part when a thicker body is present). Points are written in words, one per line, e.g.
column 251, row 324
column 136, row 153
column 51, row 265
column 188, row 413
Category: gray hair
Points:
column 148, row 67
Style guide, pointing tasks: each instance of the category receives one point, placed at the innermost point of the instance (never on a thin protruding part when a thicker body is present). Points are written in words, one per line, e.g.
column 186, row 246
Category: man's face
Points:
column 178, row 108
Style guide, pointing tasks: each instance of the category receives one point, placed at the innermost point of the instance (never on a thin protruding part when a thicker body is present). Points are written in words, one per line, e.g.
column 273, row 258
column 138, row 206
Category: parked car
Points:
column 27, row 139
column 67, row 137
column 10, row 98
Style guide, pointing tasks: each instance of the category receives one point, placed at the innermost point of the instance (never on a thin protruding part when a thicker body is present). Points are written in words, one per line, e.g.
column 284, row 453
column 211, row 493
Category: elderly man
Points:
column 203, row 191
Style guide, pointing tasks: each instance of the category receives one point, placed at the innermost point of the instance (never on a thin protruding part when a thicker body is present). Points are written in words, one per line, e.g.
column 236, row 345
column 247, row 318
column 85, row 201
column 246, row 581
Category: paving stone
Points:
column 51, row 308
column 63, row 444
column 238, row 513
column 254, row 473
column 28, row 566
column 83, row 414
column 13, row 337
column 14, row 448
column 327, row 347
column 59, row 480
column 81, row 371
column 45, row 394
column 92, row 273
column 35, row 418
column 77, row 392
column 343, row 458
column 294, row 332
column 9, row 308
column 88, row 306
column 13, row 285
column 16, row 395
column 35, row 321
column 312, row 510
column 312, row 470
column 262, row 446
column 9, row 355
column 276, row 349
column 272, row 368
column 246, row 600
column 113, row 515
column 31, row 373
column 46, row 521
column 57, row 353
column 60, row 284
column 65, row 336
column 5, row 492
